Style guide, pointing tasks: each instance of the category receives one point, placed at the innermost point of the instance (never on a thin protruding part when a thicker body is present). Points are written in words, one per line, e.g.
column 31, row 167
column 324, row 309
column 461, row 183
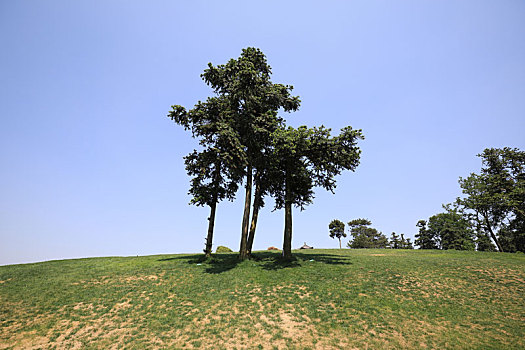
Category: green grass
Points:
column 377, row 299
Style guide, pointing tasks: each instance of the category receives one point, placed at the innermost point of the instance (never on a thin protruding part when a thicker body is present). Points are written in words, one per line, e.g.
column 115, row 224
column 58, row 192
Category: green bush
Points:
column 223, row 249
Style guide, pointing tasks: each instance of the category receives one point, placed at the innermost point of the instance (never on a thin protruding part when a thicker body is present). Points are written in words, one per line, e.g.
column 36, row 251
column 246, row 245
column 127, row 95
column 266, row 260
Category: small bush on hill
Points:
column 223, row 249
column 273, row 248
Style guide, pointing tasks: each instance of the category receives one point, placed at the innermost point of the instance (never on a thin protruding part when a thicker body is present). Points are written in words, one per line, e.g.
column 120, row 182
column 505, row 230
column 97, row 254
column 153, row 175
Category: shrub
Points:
column 272, row 248
column 223, row 249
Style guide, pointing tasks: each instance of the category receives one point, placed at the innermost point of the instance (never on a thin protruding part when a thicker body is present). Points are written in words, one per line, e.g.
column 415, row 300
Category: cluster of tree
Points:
column 448, row 230
column 243, row 140
column 399, row 242
column 364, row 236
column 490, row 214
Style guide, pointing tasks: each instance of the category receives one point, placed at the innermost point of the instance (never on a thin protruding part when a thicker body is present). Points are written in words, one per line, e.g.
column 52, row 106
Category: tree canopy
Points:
column 495, row 198
column 337, row 230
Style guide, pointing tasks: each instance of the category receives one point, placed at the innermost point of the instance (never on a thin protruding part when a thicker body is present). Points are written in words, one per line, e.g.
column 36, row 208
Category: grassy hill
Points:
column 377, row 299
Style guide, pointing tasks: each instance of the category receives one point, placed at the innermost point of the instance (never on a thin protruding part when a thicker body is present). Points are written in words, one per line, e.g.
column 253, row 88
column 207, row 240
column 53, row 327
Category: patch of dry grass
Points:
column 377, row 299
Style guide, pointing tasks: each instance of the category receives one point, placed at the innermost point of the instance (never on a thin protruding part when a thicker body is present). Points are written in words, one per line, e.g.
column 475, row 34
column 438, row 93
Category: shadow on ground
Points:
column 223, row 262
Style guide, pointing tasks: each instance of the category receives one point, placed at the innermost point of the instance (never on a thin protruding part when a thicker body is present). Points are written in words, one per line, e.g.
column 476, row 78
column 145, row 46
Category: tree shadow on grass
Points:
column 217, row 263
column 276, row 262
column 269, row 261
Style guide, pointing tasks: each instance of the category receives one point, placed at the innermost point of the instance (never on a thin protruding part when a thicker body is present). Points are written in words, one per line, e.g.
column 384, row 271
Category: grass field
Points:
column 376, row 299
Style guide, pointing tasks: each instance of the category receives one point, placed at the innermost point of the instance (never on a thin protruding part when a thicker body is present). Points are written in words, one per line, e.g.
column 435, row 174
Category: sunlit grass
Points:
column 323, row 299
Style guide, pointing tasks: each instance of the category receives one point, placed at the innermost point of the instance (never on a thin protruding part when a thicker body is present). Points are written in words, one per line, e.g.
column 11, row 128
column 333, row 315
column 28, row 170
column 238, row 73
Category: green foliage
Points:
column 397, row 242
column 495, row 198
column 405, row 243
column 394, row 241
column 252, row 102
column 484, row 244
column 448, row 230
column 290, row 173
column 234, row 128
column 425, row 238
column 452, row 230
column 364, row 236
column 242, row 134
column 305, row 158
column 310, row 158
column 337, row 230
column 223, row 249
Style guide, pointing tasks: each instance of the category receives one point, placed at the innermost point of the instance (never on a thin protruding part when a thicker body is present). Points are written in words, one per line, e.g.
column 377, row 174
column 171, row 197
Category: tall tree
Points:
column 365, row 236
column 217, row 169
column 254, row 101
column 208, row 186
column 337, row 230
column 305, row 158
column 291, row 181
column 496, row 197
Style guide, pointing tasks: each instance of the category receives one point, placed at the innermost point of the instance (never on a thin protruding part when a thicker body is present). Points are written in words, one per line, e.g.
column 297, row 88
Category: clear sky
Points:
column 91, row 165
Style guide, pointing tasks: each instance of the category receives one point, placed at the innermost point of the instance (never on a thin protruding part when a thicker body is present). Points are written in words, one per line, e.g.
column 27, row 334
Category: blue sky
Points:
column 91, row 165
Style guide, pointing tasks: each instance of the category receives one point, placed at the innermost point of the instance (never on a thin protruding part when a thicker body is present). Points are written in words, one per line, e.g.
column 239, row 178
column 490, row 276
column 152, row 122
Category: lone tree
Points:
column 496, row 197
column 253, row 101
column 364, row 236
column 216, row 170
column 337, row 229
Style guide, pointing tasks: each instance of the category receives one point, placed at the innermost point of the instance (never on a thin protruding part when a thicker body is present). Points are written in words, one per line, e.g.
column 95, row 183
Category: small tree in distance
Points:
column 425, row 238
column 405, row 243
column 364, row 236
column 337, row 229
column 394, row 241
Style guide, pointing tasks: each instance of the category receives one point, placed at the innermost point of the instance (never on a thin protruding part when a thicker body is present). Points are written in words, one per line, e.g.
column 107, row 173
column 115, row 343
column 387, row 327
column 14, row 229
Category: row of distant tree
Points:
column 364, row 236
column 489, row 216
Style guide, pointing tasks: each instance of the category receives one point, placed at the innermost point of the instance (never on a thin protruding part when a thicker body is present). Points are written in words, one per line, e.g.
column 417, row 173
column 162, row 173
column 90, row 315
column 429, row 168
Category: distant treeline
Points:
column 489, row 217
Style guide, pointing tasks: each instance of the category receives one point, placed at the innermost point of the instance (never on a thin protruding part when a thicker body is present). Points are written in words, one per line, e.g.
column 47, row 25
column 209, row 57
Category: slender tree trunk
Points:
column 211, row 219
column 287, row 244
column 211, row 224
column 339, row 242
column 255, row 214
column 492, row 234
column 243, row 251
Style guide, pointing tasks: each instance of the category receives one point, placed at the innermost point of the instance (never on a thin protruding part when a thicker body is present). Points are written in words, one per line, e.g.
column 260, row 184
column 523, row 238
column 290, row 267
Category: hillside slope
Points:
column 326, row 299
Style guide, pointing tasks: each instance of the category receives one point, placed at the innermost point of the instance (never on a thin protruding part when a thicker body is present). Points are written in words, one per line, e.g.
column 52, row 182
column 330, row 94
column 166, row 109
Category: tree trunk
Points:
column 211, row 219
column 243, row 251
column 492, row 234
column 287, row 244
column 211, row 224
column 339, row 242
column 255, row 214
